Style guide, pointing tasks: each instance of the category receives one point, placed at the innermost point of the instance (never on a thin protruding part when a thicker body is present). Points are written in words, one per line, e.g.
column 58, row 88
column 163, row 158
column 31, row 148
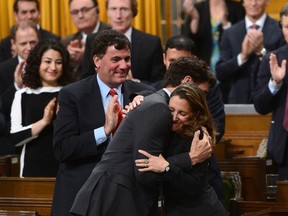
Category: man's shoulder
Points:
column 8, row 63
column 6, row 40
column 138, row 86
column 143, row 35
column 80, row 86
column 48, row 35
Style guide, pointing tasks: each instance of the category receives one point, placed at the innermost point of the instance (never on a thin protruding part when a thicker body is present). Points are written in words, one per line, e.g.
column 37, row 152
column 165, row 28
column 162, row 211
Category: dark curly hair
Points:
column 200, row 115
column 31, row 76
column 107, row 38
column 191, row 66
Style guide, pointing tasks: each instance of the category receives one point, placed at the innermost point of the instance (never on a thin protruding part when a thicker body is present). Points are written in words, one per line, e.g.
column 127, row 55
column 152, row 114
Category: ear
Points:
column 96, row 61
column 187, row 79
column 16, row 17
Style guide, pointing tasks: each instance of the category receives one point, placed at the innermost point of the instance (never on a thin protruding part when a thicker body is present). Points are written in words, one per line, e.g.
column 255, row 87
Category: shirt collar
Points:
column 128, row 34
column 104, row 89
column 84, row 35
column 260, row 22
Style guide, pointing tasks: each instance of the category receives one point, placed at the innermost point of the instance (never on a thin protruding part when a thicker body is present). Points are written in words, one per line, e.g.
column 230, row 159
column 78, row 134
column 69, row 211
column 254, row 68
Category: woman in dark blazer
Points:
column 186, row 191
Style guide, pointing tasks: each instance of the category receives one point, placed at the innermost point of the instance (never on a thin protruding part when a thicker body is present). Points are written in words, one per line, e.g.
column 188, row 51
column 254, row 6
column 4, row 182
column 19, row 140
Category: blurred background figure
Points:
column 34, row 107
column 205, row 24
column 24, row 10
column 85, row 16
column 241, row 50
column 24, row 36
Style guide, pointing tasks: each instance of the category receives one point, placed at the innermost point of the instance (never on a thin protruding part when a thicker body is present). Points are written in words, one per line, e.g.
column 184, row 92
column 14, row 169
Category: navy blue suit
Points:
column 243, row 78
column 146, row 57
column 265, row 102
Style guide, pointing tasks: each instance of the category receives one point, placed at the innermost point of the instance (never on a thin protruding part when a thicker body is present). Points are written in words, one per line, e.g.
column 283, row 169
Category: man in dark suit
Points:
column 115, row 187
column 24, row 10
column 81, row 133
column 271, row 96
column 85, row 15
column 181, row 46
column 24, row 36
column 242, row 47
column 146, row 52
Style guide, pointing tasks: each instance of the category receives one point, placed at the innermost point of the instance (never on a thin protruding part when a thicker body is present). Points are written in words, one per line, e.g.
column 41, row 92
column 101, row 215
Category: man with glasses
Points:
column 85, row 15
column 146, row 59
column 24, row 10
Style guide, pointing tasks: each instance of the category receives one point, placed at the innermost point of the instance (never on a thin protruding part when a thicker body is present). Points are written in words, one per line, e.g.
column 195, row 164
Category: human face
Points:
column 120, row 14
column 284, row 23
column 173, row 54
column 51, row 68
column 25, row 40
column 27, row 11
column 84, row 15
column 114, row 66
column 255, row 8
column 180, row 110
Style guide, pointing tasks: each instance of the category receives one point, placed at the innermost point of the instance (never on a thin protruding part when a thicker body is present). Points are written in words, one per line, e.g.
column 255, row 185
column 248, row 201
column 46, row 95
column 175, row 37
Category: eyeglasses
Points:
column 83, row 10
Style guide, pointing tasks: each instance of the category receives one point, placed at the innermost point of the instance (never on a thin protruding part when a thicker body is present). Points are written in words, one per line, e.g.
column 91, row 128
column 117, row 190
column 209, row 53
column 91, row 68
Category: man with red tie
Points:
column 81, row 132
column 271, row 95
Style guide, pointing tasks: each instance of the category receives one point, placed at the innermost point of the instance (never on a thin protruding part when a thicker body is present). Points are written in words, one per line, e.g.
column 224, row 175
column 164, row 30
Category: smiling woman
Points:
column 47, row 70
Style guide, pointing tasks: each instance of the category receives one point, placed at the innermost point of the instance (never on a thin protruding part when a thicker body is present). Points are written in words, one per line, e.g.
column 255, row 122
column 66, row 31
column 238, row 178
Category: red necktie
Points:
column 112, row 92
column 285, row 122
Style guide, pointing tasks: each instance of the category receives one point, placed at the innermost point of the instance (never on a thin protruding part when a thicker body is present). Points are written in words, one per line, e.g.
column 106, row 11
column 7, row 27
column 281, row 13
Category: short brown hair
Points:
column 16, row 8
column 23, row 25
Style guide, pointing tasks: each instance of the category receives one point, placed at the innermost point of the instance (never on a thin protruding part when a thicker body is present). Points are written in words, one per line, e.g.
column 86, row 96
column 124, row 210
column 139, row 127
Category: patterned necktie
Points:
column 254, row 26
column 112, row 92
column 285, row 122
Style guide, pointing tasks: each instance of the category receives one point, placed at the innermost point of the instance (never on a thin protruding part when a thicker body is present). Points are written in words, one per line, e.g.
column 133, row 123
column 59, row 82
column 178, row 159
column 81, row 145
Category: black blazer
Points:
column 7, row 69
column 203, row 38
column 243, row 78
column 265, row 102
column 5, row 45
column 146, row 57
column 186, row 191
column 81, row 111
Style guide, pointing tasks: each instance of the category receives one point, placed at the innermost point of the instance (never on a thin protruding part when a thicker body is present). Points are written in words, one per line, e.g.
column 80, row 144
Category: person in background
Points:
column 115, row 187
column 205, row 24
column 146, row 51
column 242, row 48
column 271, row 96
column 186, row 191
column 85, row 15
column 47, row 70
column 24, row 10
column 181, row 46
column 24, row 36
column 81, row 133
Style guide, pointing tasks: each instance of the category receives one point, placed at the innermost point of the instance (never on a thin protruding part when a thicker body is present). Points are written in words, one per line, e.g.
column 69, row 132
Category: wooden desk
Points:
column 27, row 194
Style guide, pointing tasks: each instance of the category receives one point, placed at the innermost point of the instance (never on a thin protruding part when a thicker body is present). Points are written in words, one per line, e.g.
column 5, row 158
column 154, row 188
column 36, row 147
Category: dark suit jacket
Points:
column 7, row 69
column 186, row 191
column 5, row 45
column 265, row 102
column 243, row 78
column 81, row 111
column 203, row 38
column 78, row 36
column 149, row 128
column 146, row 57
